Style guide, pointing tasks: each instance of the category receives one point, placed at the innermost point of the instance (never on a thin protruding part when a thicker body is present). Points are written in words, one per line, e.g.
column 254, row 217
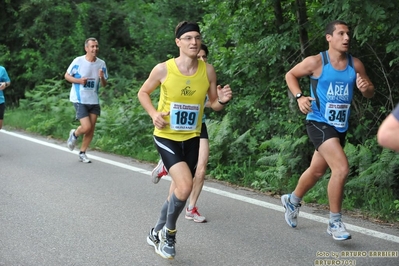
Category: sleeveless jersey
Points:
column 184, row 97
column 333, row 91
column 81, row 68
column 3, row 78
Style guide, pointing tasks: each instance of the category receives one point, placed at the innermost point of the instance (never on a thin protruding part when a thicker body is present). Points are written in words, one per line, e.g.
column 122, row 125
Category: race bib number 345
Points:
column 184, row 116
column 337, row 114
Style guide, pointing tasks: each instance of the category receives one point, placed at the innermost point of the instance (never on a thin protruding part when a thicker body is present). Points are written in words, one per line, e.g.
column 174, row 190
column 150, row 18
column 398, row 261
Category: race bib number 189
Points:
column 184, row 116
column 337, row 114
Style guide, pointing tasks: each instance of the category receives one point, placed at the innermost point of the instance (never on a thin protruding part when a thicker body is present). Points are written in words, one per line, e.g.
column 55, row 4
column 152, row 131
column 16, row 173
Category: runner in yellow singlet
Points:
column 185, row 81
column 191, row 212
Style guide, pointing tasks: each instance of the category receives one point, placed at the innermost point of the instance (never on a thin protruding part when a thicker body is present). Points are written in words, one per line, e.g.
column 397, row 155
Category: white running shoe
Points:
column 291, row 210
column 338, row 231
column 158, row 172
column 83, row 158
column 194, row 215
column 71, row 140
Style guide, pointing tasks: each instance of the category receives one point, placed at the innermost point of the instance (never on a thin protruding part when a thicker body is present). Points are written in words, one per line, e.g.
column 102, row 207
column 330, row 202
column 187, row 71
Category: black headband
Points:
column 186, row 28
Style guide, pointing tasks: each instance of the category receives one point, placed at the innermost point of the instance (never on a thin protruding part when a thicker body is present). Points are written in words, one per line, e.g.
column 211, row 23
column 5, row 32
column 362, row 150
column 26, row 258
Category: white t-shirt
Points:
column 81, row 68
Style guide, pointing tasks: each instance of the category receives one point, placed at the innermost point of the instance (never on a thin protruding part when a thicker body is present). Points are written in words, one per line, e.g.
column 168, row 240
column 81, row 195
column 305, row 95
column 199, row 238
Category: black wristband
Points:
column 222, row 103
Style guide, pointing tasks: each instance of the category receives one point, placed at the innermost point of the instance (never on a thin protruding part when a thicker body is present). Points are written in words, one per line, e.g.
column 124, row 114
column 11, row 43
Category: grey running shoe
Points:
column 83, row 158
column 166, row 247
column 194, row 215
column 158, row 172
column 152, row 239
column 71, row 140
column 291, row 210
column 338, row 231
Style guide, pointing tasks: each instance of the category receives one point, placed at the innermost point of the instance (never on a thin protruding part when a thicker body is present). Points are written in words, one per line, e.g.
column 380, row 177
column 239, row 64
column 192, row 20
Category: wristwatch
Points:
column 223, row 103
column 298, row 95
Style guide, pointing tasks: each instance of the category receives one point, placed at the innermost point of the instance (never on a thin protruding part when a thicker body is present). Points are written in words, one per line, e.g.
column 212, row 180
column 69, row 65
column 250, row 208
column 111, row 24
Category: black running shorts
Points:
column 2, row 108
column 319, row 132
column 204, row 132
column 173, row 152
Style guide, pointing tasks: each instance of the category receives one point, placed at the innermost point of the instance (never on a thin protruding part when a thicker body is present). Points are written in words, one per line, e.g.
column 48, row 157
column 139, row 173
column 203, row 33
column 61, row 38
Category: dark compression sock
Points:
column 175, row 208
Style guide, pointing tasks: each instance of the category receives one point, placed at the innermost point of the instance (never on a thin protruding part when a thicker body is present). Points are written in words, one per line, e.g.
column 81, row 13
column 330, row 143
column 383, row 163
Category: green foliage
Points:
column 375, row 186
column 318, row 194
column 280, row 163
column 129, row 35
column 4, row 55
column 52, row 112
column 124, row 128
column 221, row 134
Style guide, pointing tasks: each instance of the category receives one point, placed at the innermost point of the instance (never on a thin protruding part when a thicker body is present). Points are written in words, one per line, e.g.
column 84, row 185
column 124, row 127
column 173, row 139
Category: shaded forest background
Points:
column 259, row 140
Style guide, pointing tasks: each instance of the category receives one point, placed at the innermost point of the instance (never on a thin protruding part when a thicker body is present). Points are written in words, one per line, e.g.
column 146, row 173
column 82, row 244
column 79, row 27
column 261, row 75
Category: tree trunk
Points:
column 278, row 13
column 302, row 21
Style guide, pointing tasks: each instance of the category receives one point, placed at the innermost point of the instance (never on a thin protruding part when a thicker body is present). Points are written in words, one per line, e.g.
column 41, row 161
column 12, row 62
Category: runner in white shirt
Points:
column 86, row 73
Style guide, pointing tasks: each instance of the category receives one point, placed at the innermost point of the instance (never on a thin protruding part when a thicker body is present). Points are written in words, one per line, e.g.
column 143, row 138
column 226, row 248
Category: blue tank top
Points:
column 333, row 91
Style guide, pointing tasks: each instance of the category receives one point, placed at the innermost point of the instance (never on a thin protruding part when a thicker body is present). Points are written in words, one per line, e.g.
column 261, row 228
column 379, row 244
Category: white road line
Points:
column 260, row 203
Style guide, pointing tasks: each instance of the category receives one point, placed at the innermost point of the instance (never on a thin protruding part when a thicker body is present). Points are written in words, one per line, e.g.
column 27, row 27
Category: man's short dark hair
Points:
column 205, row 48
column 331, row 26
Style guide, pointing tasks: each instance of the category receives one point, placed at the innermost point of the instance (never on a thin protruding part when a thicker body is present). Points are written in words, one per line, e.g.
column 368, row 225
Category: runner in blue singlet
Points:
column 333, row 74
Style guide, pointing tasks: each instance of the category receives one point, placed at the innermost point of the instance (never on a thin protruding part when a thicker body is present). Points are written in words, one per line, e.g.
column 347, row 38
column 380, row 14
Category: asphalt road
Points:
column 55, row 210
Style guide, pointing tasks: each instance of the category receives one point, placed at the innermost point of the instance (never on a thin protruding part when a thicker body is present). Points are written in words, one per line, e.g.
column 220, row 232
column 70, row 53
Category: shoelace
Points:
column 163, row 172
column 170, row 240
column 294, row 210
column 339, row 226
column 195, row 211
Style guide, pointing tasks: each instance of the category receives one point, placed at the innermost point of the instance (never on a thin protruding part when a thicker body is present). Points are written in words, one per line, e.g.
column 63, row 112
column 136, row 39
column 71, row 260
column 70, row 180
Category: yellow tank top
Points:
column 184, row 97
